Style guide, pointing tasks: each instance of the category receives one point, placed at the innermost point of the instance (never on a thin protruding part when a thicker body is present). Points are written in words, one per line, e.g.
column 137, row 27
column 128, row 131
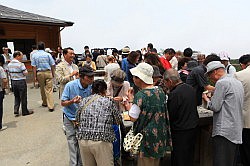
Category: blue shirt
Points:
column 42, row 60
column 72, row 89
column 16, row 70
column 124, row 66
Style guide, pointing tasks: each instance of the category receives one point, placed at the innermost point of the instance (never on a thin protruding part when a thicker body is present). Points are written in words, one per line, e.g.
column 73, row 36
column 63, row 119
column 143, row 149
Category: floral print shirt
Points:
column 153, row 122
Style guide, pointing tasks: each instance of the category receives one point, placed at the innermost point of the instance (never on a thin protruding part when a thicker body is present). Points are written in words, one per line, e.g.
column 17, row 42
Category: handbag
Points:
column 132, row 142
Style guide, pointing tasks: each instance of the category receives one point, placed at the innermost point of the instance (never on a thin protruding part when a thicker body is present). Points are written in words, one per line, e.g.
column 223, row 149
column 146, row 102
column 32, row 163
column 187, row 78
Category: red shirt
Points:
column 165, row 63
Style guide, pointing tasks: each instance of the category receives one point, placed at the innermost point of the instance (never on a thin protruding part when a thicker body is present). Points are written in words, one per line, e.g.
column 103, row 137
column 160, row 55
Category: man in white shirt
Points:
column 225, row 60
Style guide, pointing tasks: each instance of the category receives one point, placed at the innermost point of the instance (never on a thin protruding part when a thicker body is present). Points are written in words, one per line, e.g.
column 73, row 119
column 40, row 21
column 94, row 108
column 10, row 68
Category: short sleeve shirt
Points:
column 153, row 122
column 72, row 89
column 16, row 70
column 42, row 60
column 96, row 119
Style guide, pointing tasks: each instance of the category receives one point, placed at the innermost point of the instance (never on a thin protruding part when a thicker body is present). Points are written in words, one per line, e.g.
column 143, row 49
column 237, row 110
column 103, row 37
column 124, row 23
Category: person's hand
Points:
column 130, row 94
column 76, row 99
column 74, row 73
column 118, row 98
column 204, row 96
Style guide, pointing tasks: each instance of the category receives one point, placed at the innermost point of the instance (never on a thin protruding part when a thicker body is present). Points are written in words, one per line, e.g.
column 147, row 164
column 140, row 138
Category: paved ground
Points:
column 37, row 139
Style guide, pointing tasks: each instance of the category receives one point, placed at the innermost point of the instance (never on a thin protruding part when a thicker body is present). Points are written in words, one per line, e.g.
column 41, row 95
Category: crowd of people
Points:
column 162, row 94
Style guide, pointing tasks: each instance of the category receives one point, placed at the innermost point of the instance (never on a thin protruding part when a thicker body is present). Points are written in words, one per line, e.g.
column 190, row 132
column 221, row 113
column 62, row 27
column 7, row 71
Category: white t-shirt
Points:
column 174, row 63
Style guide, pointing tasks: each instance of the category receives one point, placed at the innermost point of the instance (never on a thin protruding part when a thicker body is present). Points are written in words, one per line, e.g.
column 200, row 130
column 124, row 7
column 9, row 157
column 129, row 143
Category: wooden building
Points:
column 25, row 29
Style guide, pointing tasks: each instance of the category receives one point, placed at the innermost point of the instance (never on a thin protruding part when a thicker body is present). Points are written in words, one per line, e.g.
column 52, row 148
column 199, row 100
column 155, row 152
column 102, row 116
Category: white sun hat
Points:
column 144, row 71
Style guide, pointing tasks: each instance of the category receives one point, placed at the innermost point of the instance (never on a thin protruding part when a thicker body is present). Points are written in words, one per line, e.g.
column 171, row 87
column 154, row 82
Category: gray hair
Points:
column 172, row 75
column 118, row 75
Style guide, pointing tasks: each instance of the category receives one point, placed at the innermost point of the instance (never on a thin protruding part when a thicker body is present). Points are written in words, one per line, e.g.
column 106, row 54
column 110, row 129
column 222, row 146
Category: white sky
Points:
column 204, row 25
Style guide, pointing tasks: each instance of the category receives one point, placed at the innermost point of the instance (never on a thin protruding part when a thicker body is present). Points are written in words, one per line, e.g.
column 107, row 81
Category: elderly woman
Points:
column 149, row 112
column 96, row 115
column 118, row 88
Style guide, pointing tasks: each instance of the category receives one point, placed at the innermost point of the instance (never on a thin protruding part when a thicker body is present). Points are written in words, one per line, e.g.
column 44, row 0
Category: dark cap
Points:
column 86, row 70
column 191, row 64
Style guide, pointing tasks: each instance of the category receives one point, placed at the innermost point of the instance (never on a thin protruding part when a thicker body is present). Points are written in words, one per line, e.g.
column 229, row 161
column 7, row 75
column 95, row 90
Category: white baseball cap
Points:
column 224, row 56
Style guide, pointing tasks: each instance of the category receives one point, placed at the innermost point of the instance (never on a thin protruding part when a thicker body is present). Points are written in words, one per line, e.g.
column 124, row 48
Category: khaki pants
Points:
column 96, row 153
column 45, row 81
column 145, row 161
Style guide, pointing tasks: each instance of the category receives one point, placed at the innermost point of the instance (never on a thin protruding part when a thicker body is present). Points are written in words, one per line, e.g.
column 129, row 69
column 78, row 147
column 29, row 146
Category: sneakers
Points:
column 3, row 128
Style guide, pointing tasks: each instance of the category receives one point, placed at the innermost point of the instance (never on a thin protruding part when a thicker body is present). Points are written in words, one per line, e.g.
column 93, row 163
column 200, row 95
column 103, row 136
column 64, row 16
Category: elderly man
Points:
column 43, row 69
column 66, row 70
column 72, row 94
column 243, row 77
column 183, row 118
column 227, row 105
column 18, row 73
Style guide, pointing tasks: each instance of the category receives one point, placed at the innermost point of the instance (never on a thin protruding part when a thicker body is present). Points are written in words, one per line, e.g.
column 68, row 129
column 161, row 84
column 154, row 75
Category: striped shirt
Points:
column 16, row 70
column 42, row 60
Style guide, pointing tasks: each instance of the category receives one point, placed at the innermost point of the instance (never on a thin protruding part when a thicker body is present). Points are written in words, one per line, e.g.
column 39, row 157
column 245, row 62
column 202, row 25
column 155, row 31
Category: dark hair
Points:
column 150, row 46
column 244, row 59
column 182, row 62
column 114, row 51
column 59, row 47
column 132, row 56
column 41, row 45
column 169, row 51
column 140, row 57
column 153, row 59
column 34, row 46
column 88, row 55
column 17, row 53
column 210, row 58
column 65, row 50
column 86, row 47
column 154, row 50
column 188, row 52
column 101, row 51
column 99, row 87
column 2, row 60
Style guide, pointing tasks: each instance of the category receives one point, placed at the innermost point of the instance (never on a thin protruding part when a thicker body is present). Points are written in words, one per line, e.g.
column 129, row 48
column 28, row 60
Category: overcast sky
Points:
column 204, row 25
